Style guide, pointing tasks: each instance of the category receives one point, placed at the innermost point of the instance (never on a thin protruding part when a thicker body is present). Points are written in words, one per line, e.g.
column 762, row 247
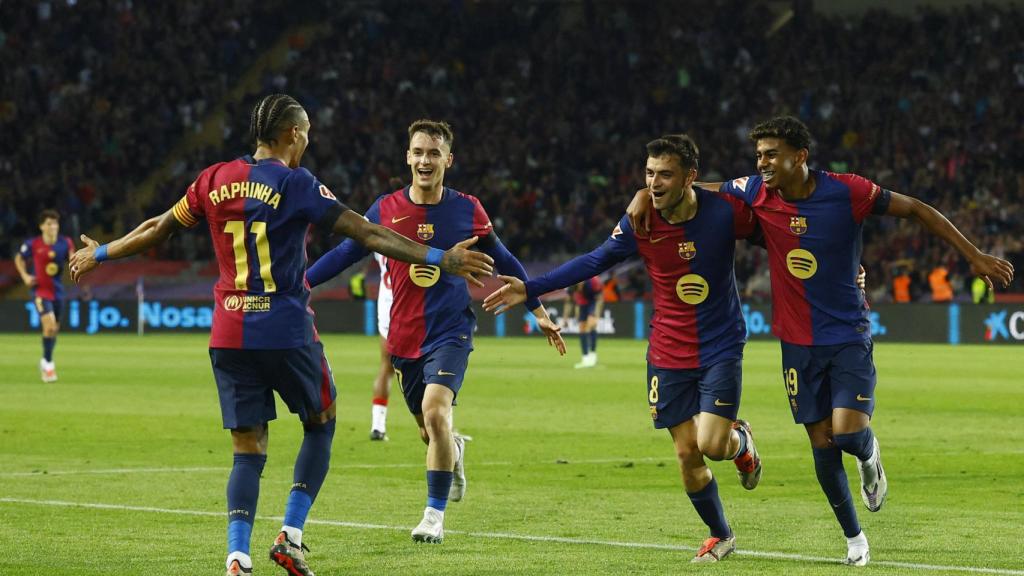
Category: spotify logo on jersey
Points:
column 801, row 263
column 692, row 289
column 424, row 276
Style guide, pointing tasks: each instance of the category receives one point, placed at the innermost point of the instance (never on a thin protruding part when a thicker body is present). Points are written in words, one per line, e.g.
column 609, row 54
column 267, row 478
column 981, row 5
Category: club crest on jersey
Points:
column 51, row 254
column 425, row 232
column 687, row 250
column 798, row 224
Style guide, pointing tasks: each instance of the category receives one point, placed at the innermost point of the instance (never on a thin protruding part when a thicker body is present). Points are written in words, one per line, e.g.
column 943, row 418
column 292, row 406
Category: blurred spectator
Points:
column 549, row 133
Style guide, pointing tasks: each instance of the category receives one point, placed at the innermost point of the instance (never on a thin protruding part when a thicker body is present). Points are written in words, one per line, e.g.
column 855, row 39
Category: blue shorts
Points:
column 247, row 379
column 584, row 311
column 819, row 379
column 675, row 396
column 44, row 306
column 445, row 365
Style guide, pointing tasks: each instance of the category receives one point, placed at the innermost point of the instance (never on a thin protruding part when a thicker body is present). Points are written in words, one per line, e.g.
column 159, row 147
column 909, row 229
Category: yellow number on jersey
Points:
column 653, row 394
column 790, row 377
column 237, row 230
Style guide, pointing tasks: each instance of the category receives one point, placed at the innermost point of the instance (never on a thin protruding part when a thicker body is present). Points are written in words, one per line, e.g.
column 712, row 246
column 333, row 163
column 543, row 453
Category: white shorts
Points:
column 384, row 298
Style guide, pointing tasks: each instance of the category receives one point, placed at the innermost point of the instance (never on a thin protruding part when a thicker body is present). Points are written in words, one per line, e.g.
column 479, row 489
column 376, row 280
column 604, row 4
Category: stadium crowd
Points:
column 551, row 104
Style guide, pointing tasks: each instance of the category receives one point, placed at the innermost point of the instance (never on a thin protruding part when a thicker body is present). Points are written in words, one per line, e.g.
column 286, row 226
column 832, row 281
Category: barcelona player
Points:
column 812, row 222
column 588, row 298
column 45, row 255
column 694, row 376
column 431, row 325
column 258, row 209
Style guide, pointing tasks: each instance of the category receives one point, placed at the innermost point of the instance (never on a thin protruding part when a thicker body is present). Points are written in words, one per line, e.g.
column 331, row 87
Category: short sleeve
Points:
column 26, row 249
column 744, row 222
column 866, row 197
column 481, row 221
column 745, row 188
column 316, row 203
column 189, row 209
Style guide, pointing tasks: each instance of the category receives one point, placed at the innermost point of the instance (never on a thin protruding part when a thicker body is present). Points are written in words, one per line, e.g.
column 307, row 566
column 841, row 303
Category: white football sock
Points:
column 242, row 558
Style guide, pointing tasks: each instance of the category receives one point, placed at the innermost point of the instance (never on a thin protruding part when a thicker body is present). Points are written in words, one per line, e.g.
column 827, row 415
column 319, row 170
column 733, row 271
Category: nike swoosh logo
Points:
column 720, row 403
column 443, row 373
column 656, row 240
column 397, row 220
column 863, row 398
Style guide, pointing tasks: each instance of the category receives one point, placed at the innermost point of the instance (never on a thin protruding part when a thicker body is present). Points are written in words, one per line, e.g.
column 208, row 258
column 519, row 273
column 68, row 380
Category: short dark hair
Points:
column 434, row 129
column 786, row 128
column 271, row 114
column 47, row 214
column 679, row 145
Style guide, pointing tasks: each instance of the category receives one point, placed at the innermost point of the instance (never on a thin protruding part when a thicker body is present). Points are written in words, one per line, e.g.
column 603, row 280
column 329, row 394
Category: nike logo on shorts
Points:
column 720, row 403
column 443, row 373
column 863, row 398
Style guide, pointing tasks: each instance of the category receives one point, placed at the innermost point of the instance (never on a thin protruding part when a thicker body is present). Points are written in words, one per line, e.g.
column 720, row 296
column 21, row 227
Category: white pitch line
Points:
column 522, row 537
column 172, row 470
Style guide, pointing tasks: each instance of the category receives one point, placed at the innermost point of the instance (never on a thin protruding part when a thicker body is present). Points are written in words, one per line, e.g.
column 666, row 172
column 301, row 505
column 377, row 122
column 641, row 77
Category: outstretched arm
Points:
column 580, row 268
column 457, row 260
column 150, row 233
column 508, row 264
column 987, row 266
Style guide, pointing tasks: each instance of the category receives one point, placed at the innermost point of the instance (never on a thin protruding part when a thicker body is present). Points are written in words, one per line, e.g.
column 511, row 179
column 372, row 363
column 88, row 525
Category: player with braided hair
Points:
column 258, row 209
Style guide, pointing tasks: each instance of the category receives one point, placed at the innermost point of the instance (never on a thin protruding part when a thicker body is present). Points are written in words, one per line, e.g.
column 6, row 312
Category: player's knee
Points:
column 714, row 447
column 688, row 454
column 435, row 420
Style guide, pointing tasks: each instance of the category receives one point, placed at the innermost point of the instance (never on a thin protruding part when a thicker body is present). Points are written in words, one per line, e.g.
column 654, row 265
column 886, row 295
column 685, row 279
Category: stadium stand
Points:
column 549, row 131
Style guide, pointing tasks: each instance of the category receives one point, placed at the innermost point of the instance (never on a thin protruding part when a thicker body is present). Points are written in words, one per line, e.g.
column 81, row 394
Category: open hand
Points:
column 461, row 261
column 509, row 295
column 992, row 269
column 552, row 331
column 82, row 261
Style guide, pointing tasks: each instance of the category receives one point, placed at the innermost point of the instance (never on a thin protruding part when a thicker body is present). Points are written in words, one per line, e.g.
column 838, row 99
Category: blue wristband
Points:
column 100, row 254
column 434, row 256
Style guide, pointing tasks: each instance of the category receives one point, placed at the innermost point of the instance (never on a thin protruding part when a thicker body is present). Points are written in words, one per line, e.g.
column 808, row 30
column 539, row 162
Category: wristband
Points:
column 434, row 256
column 100, row 254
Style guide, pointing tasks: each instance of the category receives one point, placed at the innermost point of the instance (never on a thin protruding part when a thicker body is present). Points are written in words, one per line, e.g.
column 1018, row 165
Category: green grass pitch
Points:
column 121, row 466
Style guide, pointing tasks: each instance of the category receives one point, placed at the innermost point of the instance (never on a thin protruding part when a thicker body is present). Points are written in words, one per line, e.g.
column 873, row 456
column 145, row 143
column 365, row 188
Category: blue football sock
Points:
column 860, row 444
column 585, row 343
column 48, row 344
column 709, row 508
column 439, row 483
column 593, row 340
column 311, row 467
column 828, row 464
column 243, row 492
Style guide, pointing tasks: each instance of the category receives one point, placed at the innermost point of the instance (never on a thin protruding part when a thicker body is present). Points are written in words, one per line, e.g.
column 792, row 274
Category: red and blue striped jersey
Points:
column 259, row 214
column 46, row 262
column 430, row 307
column 814, row 249
column 697, row 316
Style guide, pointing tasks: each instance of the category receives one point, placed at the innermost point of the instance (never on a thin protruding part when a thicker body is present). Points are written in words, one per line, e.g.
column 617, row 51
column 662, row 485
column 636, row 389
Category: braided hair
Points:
column 271, row 114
